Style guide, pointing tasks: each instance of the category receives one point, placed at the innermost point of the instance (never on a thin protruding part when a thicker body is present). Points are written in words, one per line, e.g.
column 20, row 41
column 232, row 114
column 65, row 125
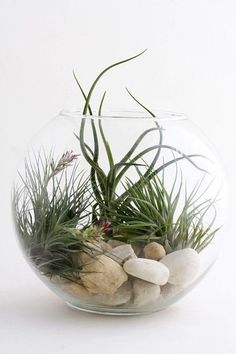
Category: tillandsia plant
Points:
column 62, row 211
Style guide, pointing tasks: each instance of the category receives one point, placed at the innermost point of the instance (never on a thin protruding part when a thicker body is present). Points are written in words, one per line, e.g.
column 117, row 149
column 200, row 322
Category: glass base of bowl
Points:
column 111, row 311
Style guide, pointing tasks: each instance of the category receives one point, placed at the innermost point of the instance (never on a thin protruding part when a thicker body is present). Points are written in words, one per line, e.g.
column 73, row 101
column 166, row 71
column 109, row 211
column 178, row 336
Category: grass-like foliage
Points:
column 49, row 203
column 172, row 217
column 60, row 210
column 105, row 184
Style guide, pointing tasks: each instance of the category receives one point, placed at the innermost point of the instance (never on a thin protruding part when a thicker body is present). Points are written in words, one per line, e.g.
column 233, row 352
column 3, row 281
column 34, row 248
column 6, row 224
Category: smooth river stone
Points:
column 96, row 249
column 103, row 275
column 85, row 258
column 183, row 266
column 57, row 280
column 148, row 270
column 120, row 297
column 115, row 243
column 99, row 247
column 169, row 291
column 76, row 290
column 154, row 251
column 122, row 253
column 144, row 292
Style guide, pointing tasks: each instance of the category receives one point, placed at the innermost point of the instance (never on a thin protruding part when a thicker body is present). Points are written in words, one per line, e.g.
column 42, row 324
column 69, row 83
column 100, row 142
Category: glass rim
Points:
column 160, row 115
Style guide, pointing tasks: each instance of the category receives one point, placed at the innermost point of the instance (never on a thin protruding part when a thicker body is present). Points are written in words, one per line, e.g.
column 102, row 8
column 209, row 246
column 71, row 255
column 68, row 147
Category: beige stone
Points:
column 99, row 247
column 145, row 292
column 106, row 247
column 85, row 258
column 76, row 290
column 103, row 275
column 115, row 243
column 57, row 280
column 154, row 251
column 120, row 297
column 95, row 249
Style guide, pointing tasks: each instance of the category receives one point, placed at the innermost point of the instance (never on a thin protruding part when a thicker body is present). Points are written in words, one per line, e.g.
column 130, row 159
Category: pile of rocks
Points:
column 125, row 274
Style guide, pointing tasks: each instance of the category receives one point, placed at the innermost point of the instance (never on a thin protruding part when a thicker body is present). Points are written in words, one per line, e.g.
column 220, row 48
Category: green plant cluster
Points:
column 60, row 210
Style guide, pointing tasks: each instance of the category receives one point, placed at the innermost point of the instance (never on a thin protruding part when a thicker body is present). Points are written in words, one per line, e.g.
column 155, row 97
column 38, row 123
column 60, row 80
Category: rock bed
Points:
column 120, row 276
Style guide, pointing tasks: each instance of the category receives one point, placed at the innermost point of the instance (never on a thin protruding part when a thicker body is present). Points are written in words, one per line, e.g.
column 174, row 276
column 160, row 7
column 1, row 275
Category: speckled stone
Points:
column 103, row 275
column 115, row 243
column 154, row 251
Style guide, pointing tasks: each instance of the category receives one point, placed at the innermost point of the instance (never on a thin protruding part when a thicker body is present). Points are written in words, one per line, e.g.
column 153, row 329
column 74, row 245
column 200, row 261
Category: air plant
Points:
column 49, row 204
column 152, row 213
column 60, row 210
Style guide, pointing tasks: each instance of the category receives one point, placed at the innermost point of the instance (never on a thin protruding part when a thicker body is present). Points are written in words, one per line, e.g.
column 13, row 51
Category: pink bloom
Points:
column 106, row 225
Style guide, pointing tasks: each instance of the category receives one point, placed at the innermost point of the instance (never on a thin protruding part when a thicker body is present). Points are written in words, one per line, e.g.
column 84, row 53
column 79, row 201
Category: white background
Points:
column 190, row 67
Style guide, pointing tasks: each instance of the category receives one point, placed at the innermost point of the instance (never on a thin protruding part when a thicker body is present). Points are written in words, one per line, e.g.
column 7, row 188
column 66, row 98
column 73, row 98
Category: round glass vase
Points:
column 122, row 213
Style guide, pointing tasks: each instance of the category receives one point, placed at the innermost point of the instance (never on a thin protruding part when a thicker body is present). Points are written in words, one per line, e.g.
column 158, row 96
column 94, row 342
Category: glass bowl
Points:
column 122, row 213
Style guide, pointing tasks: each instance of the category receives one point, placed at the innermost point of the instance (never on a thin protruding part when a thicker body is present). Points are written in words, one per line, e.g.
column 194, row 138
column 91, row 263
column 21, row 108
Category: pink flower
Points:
column 106, row 225
column 66, row 160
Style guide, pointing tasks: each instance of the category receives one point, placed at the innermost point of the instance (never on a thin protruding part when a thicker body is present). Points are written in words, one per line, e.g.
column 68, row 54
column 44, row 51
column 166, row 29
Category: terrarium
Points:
column 119, row 213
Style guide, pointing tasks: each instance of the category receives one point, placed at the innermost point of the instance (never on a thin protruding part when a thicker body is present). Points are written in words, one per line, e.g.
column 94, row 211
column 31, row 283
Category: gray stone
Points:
column 144, row 292
column 103, row 275
column 137, row 249
column 183, row 266
column 148, row 270
column 122, row 253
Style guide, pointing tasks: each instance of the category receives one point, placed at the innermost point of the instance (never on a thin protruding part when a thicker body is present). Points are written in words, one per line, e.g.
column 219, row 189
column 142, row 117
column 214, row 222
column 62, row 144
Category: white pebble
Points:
column 183, row 266
column 148, row 270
